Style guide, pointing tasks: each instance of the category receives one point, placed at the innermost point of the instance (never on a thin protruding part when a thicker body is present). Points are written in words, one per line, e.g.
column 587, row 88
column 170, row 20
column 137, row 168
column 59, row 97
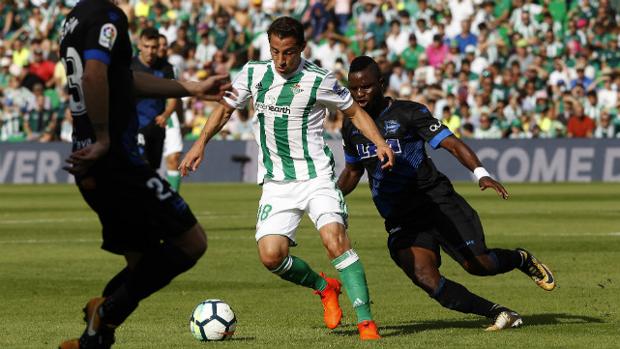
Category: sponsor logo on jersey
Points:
column 107, row 35
column 339, row 90
column 369, row 150
column 297, row 89
column 391, row 126
column 263, row 107
column 435, row 127
column 259, row 85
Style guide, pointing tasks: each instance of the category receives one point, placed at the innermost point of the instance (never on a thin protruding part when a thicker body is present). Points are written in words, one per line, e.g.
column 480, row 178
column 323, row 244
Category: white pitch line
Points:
column 46, row 220
column 94, row 219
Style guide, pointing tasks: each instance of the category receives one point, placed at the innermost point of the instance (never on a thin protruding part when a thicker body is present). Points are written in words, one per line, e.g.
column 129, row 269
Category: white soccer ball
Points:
column 212, row 320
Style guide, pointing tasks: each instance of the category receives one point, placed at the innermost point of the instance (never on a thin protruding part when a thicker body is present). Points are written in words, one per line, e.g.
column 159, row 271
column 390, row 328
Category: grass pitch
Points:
column 51, row 264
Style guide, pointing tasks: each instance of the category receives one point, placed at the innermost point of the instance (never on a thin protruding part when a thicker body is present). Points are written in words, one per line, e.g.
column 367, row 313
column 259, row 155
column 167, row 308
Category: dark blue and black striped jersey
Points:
column 406, row 126
column 98, row 30
column 149, row 108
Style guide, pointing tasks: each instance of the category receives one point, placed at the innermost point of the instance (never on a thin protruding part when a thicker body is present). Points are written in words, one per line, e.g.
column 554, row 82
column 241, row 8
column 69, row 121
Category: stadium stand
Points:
column 487, row 69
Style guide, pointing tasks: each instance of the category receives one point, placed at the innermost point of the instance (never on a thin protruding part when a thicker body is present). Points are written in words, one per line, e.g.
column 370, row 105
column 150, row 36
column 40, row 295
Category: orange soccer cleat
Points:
column 368, row 330
column 332, row 314
column 97, row 335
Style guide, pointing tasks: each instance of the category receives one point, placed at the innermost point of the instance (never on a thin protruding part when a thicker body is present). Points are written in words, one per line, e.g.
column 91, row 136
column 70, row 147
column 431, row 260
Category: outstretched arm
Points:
column 367, row 127
column 216, row 121
column 350, row 177
column 468, row 158
column 150, row 86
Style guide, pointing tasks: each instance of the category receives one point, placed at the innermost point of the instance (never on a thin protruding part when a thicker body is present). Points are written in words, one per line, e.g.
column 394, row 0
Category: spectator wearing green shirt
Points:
column 409, row 57
column 379, row 28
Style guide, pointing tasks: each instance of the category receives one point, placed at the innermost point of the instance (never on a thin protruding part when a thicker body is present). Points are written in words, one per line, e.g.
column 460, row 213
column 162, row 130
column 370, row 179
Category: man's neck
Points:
column 380, row 107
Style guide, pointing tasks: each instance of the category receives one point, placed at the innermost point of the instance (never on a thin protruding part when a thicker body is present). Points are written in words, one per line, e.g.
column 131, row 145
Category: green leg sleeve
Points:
column 297, row 271
column 354, row 279
column 174, row 178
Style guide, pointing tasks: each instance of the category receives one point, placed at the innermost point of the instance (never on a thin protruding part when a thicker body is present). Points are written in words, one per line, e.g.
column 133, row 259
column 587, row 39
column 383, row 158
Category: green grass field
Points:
column 51, row 264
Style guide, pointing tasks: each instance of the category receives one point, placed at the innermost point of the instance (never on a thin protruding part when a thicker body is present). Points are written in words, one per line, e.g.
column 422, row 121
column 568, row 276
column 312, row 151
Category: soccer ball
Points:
column 212, row 320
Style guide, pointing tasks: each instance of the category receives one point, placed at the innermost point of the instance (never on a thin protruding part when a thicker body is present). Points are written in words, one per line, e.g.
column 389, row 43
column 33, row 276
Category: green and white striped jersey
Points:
column 290, row 112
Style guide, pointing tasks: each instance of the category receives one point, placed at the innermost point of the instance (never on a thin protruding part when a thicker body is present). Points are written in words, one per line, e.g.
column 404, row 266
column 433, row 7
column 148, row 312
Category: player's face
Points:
column 365, row 88
column 286, row 53
column 148, row 50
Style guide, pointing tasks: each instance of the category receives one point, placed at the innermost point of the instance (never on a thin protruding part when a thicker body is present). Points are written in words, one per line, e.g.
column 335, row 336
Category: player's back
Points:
column 98, row 30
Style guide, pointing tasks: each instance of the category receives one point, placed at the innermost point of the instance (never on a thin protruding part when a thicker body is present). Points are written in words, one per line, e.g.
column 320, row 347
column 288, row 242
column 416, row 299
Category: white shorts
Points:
column 173, row 143
column 283, row 204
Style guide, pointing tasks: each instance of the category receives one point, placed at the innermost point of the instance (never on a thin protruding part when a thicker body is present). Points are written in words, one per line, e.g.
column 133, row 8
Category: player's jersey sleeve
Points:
column 333, row 95
column 241, row 86
column 426, row 126
column 101, row 36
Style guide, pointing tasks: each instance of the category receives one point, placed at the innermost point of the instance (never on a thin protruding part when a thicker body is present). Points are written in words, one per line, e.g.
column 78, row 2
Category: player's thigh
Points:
column 325, row 203
column 279, row 212
column 458, row 226
column 138, row 209
column 402, row 237
column 173, row 143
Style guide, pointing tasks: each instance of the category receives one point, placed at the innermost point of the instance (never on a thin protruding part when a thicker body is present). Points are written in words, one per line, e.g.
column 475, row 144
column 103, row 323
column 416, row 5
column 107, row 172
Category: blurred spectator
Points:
column 605, row 128
column 527, row 66
column 579, row 124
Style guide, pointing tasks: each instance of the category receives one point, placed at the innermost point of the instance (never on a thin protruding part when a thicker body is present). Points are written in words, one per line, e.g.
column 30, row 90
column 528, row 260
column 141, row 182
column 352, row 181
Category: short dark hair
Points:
column 362, row 63
column 285, row 27
column 150, row 34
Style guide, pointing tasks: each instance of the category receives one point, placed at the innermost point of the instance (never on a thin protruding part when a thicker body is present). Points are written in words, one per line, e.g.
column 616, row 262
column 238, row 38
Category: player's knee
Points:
column 335, row 239
column 272, row 261
column 193, row 243
column 272, row 256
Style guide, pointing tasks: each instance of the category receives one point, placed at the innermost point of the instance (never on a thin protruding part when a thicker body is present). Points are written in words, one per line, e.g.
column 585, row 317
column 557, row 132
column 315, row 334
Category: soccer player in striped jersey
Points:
column 296, row 168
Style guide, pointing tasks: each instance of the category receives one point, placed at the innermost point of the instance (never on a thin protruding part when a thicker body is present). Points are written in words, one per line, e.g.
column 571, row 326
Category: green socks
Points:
column 174, row 178
column 354, row 279
column 299, row 272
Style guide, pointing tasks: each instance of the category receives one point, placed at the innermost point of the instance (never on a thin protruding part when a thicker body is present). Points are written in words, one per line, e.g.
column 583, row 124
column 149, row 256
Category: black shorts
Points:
column 137, row 208
column 442, row 218
column 151, row 142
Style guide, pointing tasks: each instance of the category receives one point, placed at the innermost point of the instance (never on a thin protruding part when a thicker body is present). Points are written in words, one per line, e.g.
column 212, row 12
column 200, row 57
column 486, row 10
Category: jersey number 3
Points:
column 75, row 70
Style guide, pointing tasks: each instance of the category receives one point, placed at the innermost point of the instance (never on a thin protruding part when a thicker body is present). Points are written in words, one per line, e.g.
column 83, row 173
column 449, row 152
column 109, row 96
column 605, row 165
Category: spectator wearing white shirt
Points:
column 398, row 40
column 605, row 128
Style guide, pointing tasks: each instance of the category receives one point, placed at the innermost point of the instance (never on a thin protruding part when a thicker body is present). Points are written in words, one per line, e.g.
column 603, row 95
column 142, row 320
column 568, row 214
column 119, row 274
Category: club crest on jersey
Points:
column 391, row 126
column 339, row 90
column 297, row 89
column 107, row 35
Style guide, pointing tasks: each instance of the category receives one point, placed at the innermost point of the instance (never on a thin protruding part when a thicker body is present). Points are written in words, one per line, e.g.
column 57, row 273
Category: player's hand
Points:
column 386, row 156
column 213, row 88
column 161, row 121
column 192, row 159
column 488, row 182
column 81, row 160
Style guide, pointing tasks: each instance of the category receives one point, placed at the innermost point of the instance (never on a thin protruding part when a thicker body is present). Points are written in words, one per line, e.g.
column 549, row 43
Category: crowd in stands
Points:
column 487, row 69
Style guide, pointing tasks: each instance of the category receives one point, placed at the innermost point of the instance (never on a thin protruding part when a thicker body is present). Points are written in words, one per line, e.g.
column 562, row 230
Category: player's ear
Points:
column 382, row 84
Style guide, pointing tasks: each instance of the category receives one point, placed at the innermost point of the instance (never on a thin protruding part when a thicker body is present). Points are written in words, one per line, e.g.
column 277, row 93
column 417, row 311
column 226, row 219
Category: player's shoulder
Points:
column 313, row 68
column 92, row 9
column 410, row 108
